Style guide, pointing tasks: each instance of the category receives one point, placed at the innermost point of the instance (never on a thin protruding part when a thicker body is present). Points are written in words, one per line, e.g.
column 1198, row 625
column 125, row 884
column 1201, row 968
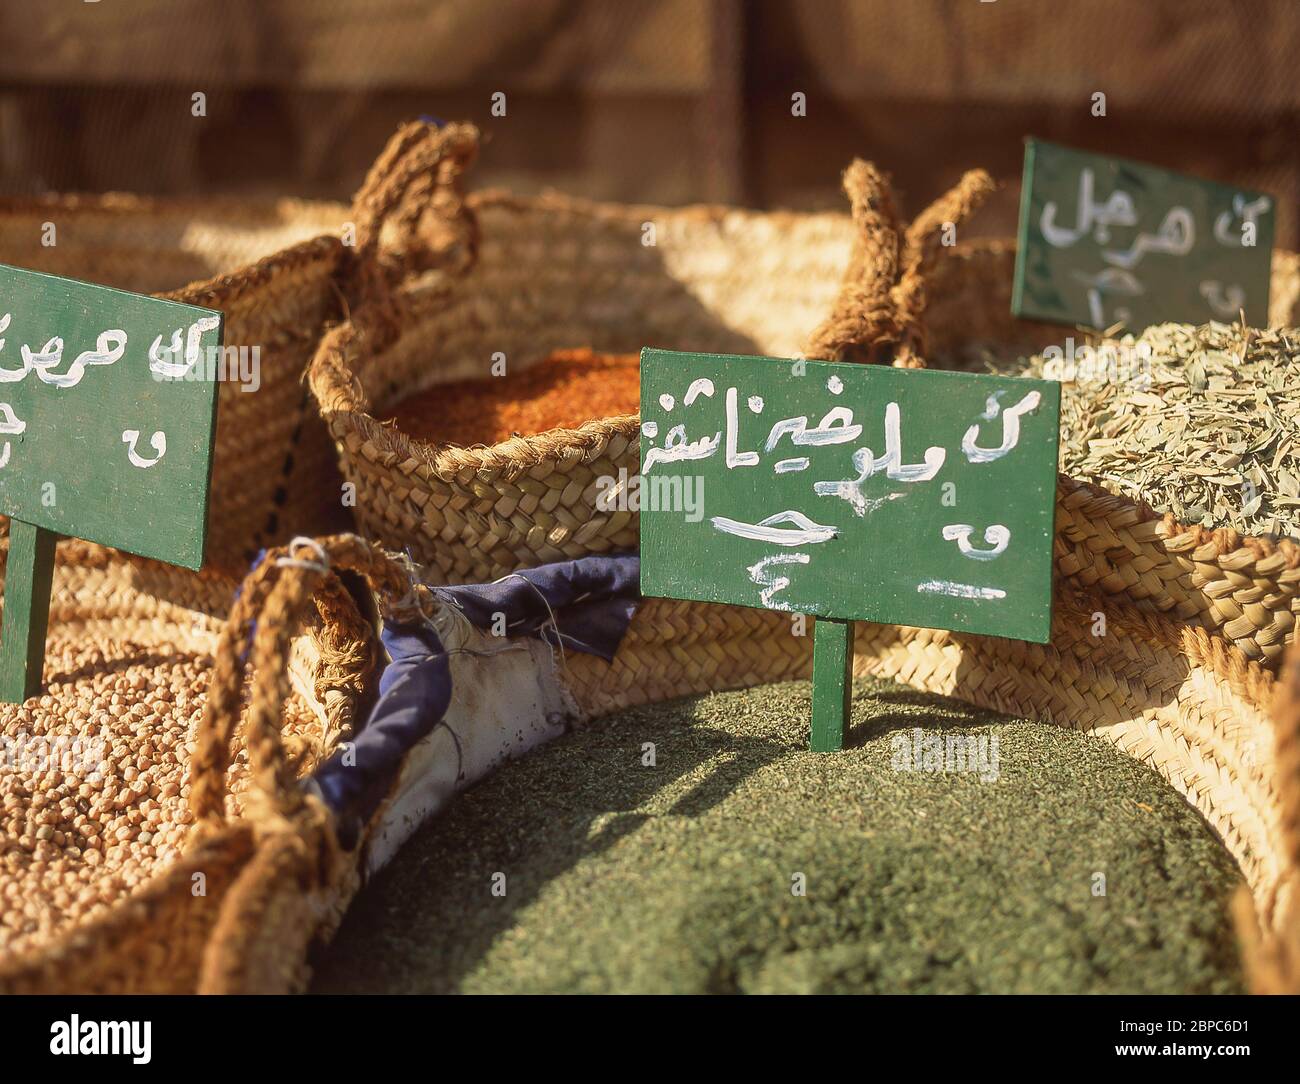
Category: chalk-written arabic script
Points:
column 1106, row 242
column 106, row 414
column 851, row 491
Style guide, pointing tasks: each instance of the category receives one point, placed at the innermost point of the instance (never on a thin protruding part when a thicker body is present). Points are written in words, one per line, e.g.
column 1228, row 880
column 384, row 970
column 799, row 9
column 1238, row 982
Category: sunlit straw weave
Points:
column 269, row 267
column 159, row 936
column 554, row 272
column 1196, row 621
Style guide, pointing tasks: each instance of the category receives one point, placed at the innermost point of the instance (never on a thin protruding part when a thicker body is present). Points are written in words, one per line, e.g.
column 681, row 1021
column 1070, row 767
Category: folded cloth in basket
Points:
column 585, row 605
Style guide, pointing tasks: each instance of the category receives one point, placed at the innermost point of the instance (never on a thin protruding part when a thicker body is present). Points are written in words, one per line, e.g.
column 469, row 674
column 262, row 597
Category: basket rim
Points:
column 345, row 404
column 554, row 202
column 346, row 408
column 225, row 290
column 252, row 210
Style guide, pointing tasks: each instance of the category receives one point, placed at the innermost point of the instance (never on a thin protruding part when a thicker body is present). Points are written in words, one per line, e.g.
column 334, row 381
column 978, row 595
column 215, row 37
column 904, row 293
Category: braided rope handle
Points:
column 412, row 199
column 271, row 601
column 881, row 304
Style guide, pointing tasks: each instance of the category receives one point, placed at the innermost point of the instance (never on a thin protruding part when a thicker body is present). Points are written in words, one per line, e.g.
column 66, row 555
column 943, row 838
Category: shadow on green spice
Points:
column 946, row 849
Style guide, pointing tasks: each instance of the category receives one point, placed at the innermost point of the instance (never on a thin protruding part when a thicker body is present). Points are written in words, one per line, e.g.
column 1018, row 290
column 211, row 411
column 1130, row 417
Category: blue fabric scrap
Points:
column 591, row 601
column 584, row 604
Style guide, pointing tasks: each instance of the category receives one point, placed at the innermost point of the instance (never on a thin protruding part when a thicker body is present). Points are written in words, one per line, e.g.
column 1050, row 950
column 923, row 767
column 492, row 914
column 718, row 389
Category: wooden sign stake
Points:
column 137, row 476
column 849, row 517
column 832, row 683
column 28, row 577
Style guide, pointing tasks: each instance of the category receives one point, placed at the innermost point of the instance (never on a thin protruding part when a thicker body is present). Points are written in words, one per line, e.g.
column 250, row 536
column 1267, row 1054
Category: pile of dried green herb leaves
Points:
column 1077, row 869
column 1202, row 422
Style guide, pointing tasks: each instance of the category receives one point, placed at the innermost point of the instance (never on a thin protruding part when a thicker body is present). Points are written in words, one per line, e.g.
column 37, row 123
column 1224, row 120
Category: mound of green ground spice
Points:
column 680, row 877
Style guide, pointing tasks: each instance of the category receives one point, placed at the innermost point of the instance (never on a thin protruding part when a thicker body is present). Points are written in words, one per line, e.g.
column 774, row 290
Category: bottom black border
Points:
column 657, row 1033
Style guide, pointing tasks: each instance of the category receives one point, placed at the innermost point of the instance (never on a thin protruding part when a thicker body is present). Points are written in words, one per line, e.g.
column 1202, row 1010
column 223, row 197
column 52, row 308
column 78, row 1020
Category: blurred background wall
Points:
column 666, row 101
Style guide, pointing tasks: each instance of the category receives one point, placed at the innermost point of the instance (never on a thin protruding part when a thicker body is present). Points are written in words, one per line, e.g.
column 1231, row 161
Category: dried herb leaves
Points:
column 1202, row 422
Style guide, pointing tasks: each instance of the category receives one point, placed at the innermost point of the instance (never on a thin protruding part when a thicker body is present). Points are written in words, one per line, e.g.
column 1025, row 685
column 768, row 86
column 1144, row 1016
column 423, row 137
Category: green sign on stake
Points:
column 107, row 408
column 1105, row 241
column 852, row 493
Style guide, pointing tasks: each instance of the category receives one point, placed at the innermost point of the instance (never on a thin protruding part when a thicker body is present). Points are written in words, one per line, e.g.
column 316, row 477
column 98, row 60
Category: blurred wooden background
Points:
column 667, row 101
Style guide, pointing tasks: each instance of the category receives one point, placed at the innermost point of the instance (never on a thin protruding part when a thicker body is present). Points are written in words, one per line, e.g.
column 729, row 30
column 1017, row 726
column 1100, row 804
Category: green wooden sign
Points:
column 849, row 492
column 1105, row 241
column 107, row 408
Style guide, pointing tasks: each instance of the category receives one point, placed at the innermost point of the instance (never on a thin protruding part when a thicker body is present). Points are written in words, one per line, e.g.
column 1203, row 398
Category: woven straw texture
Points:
column 1197, row 621
column 296, row 885
column 553, row 273
column 310, row 665
column 269, row 267
column 558, row 273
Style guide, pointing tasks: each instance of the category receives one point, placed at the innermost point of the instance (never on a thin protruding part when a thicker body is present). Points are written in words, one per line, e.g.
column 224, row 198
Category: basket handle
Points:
column 881, row 304
column 270, row 602
column 410, row 212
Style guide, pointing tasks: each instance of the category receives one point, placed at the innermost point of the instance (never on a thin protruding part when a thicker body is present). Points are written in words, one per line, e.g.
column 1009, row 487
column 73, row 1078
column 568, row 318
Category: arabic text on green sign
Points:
column 1104, row 241
column 853, row 492
column 107, row 408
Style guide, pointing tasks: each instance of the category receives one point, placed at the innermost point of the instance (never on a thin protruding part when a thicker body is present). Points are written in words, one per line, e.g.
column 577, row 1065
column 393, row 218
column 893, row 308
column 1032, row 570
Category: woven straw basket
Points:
column 269, row 267
column 310, row 667
column 554, row 272
column 1222, row 729
column 272, row 874
column 1197, row 621
column 278, row 271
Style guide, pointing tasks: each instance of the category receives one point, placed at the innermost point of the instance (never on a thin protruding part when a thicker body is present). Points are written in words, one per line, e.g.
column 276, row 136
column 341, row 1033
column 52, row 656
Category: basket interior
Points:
column 555, row 274
column 106, row 748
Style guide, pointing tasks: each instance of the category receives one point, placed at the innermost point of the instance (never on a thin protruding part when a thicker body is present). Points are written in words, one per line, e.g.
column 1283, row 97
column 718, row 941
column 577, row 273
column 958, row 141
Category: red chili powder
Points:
column 568, row 388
